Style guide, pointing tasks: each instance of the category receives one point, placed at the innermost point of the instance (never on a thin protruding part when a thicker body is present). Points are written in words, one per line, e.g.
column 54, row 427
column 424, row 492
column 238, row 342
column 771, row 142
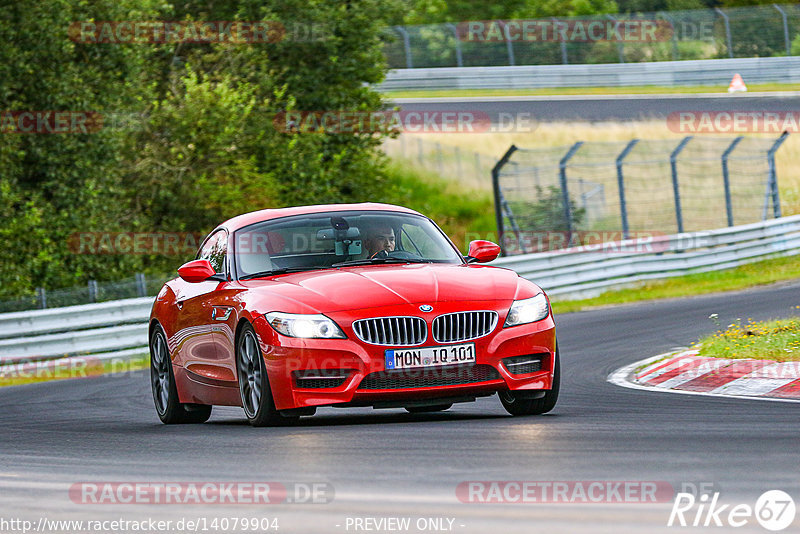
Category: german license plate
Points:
column 430, row 356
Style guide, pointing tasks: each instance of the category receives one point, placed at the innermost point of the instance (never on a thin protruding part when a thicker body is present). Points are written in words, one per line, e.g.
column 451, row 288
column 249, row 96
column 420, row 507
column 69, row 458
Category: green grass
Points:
column 638, row 90
column 10, row 376
column 464, row 214
column 753, row 274
column 777, row 340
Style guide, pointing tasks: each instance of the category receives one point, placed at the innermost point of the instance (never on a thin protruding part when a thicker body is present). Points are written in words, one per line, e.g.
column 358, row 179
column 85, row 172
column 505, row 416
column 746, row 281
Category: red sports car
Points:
column 343, row 305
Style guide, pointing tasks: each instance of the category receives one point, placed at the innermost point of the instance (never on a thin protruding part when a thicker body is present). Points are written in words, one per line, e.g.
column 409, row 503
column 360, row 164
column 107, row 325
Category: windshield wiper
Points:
column 377, row 261
column 280, row 270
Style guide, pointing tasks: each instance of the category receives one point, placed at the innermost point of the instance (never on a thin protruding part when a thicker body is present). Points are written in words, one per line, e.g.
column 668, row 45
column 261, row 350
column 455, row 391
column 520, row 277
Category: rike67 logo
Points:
column 774, row 510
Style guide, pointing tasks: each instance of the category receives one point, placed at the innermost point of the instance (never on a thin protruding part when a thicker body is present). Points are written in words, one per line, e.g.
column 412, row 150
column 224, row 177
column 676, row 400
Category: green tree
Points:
column 207, row 146
column 54, row 185
column 437, row 11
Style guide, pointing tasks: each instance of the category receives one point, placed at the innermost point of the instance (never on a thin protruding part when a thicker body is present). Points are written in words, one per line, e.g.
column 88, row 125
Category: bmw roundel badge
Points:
column 426, row 308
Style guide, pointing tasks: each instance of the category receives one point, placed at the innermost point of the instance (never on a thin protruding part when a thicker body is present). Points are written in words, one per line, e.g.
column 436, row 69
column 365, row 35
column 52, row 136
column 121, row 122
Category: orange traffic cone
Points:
column 737, row 84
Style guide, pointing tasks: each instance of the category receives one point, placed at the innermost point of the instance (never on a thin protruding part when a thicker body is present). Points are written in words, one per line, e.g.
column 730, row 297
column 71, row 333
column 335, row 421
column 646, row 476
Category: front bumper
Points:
column 365, row 381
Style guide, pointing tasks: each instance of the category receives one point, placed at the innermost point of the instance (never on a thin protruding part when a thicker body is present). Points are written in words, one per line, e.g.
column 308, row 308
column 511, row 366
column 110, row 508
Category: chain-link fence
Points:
column 136, row 286
column 550, row 198
column 757, row 31
column 470, row 169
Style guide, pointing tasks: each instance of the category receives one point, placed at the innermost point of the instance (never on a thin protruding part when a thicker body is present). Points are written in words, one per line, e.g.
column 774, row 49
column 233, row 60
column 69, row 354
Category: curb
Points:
column 683, row 371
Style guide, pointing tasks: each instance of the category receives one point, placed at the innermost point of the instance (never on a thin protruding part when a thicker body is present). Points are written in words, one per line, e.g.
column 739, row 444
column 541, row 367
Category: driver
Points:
column 379, row 239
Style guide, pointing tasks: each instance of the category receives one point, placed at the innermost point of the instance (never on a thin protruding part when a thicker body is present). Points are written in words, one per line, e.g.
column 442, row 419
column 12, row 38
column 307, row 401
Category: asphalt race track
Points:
column 391, row 464
column 604, row 107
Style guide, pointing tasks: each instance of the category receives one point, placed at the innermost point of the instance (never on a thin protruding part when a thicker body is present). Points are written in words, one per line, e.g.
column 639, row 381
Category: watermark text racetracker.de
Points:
column 419, row 122
column 575, row 30
column 50, row 122
column 733, row 121
column 203, row 493
column 225, row 31
column 33, row 370
column 564, row 491
column 157, row 243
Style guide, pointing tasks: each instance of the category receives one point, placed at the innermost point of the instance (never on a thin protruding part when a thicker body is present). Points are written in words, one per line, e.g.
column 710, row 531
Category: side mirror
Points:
column 196, row 271
column 482, row 251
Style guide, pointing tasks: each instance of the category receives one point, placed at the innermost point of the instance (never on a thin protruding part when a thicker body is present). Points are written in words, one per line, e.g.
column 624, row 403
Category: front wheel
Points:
column 165, row 394
column 516, row 404
column 257, row 401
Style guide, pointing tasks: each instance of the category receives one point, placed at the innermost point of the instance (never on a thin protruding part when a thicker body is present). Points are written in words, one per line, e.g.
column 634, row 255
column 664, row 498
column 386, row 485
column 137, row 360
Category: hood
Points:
column 354, row 288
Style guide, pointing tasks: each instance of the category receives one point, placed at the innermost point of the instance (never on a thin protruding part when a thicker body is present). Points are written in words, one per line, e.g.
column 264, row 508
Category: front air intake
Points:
column 429, row 377
column 520, row 365
column 463, row 326
column 392, row 331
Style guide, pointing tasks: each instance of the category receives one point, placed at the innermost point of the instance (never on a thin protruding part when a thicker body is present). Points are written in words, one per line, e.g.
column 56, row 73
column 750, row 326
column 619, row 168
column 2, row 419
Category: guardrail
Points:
column 114, row 329
column 118, row 329
column 662, row 73
column 579, row 272
column 72, row 318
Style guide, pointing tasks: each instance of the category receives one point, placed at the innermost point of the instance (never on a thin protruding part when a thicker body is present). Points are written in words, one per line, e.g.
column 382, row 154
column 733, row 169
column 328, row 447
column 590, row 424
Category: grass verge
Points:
column 632, row 90
column 17, row 375
column 745, row 276
column 459, row 210
column 777, row 340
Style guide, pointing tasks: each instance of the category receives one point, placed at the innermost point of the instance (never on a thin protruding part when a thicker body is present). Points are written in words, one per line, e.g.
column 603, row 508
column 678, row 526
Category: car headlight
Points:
column 527, row 311
column 304, row 326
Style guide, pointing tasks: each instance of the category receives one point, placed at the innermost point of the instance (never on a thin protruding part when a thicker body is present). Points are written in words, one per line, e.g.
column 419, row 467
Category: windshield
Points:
column 338, row 239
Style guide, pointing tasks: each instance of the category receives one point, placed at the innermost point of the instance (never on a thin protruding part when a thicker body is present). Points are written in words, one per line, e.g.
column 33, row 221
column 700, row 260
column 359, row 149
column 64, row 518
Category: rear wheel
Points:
column 425, row 409
column 257, row 401
column 165, row 394
column 516, row 403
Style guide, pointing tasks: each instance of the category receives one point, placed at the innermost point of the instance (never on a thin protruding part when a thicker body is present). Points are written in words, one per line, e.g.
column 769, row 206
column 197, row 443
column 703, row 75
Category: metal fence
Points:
column 757, row 31
column 548, row 198
column 468, row 168
column 136, row 286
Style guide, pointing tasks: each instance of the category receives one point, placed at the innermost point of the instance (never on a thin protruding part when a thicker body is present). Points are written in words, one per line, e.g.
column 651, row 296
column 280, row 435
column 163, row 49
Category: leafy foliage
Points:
column 204, row 145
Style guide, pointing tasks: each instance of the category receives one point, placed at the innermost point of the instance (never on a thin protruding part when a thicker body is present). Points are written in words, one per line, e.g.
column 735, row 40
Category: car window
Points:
column 416, row 239
column 214, row 250
column 322, row 240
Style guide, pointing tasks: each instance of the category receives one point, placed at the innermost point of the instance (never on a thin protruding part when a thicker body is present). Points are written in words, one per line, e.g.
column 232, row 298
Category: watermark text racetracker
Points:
column 429, row 121
column 587, row 30
column 204, row 493
column 564, row 491
column 50, row 122
column 33, row 370
column 159, row 243
column 715, row 122
column 226, row 31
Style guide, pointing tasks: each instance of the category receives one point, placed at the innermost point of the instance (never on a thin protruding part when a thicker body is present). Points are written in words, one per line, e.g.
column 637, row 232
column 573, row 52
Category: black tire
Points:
column 165, row 394
column 425, row 409
column 257, row 401
column 516, row 404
